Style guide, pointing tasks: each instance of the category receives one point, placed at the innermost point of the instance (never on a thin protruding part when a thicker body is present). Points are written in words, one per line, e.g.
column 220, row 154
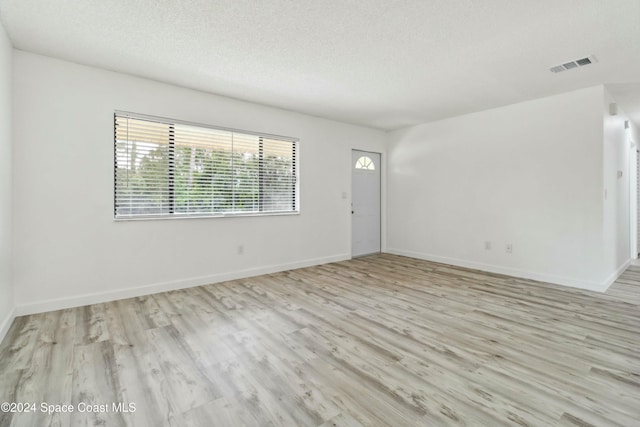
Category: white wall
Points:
column 633, row 199
column 528, row 174
column 67, row 248
column 617, row 207
column 634, row 140
column 6, row 289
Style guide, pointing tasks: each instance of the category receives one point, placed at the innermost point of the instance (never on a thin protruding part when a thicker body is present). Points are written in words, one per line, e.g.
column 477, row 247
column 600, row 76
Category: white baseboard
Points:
column 541, row 277
column 6, row 323
column 614, row 276
column 100, row 297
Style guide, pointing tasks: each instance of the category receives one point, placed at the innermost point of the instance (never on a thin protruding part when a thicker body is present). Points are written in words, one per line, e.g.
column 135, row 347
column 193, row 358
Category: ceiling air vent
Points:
column 573, row 64
column 583, row 61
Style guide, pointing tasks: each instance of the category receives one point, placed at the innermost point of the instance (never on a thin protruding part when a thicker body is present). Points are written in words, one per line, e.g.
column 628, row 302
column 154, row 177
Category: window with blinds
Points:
column 167, row 168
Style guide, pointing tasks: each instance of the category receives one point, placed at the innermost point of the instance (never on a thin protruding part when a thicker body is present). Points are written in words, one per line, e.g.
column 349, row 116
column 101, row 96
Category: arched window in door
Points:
column 366, row 163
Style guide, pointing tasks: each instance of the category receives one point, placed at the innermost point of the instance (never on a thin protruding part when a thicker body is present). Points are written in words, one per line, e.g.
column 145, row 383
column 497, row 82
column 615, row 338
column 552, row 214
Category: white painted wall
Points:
column 528, row 174
column 6, row 289
column 69, row 251
column 617, row 206
column 634, row 136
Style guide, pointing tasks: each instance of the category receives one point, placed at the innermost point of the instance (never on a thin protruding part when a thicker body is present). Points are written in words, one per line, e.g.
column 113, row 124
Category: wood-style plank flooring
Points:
column 376, row 341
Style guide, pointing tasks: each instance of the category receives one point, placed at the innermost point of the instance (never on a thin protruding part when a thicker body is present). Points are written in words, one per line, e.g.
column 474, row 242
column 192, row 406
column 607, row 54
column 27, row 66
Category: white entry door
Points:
column 365, row 203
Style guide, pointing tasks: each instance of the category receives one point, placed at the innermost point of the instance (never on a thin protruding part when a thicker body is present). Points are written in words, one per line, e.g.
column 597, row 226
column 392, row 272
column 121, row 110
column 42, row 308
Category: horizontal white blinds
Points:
column 165, row 169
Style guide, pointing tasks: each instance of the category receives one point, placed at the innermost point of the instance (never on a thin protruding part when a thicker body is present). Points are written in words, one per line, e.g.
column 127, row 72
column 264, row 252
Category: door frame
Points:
column 382, row 200
column 634, row 198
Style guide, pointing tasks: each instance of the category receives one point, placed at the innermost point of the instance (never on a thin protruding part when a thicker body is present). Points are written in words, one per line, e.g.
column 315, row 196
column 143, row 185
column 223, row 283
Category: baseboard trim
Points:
column 524, row 274
column 614, row 276
column 6, row 323
column 100, row 297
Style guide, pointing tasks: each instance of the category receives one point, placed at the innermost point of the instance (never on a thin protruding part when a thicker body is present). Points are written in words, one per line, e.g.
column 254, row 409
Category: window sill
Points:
column 201, row 216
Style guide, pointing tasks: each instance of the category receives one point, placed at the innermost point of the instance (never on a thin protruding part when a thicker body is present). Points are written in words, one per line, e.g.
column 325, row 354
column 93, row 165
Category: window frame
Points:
column 172, row 214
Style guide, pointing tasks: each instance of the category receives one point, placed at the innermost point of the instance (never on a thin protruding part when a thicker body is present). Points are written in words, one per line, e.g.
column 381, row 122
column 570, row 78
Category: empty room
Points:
column 319, row 213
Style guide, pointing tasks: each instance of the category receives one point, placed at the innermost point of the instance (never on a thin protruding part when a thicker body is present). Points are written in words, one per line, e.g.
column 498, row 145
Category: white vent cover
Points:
column 574, row 64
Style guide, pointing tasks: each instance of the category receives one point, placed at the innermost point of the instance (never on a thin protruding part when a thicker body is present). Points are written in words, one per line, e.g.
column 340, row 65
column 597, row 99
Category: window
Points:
column 166, row 168
column 366, row 163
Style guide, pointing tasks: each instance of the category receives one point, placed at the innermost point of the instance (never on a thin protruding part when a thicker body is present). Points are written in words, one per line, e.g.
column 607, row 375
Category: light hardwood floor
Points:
column 377, row 341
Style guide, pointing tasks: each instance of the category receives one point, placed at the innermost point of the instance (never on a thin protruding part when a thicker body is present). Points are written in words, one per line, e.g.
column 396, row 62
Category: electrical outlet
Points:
column 508, row 248
column 487, row 245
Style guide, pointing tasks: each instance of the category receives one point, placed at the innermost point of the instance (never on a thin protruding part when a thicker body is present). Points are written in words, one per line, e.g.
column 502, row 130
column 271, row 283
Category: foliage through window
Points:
column 165, row 168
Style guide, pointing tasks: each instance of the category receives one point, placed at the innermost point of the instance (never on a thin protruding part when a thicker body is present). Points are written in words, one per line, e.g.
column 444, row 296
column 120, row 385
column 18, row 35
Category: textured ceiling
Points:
column 380, row 63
